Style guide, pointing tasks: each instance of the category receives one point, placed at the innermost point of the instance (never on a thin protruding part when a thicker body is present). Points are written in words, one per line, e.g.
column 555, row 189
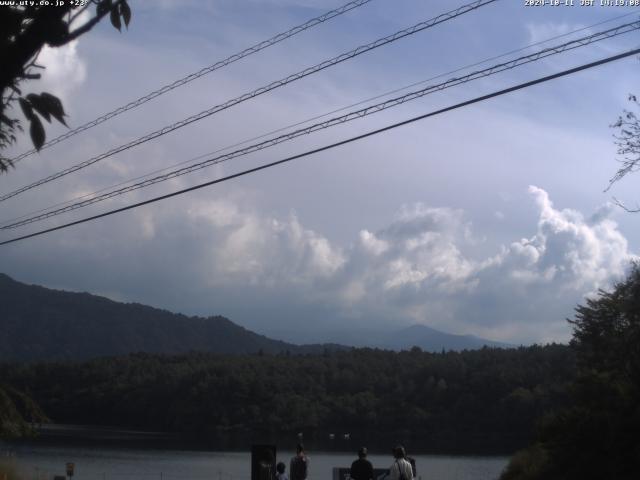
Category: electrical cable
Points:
column 333, row 145
column 200, row 73
column 247, row 96
column 544, row 53
column 316, row 117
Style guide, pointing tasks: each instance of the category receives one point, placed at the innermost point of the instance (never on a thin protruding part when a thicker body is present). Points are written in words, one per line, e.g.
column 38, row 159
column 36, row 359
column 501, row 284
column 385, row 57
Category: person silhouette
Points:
column 400, row 469
column 299, row 467
column 361, row 469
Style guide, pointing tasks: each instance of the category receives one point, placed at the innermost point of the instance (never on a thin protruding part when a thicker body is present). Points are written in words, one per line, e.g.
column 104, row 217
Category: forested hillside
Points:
column 42, row 324
column 37, row 323
column 476, row 401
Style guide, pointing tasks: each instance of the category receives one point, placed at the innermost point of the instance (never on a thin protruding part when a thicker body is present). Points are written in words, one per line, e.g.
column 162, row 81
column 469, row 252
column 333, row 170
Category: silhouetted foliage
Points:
column 25, row 30
column 598, row 436
column 472, row 401
column 18, row 413
column 477, row 400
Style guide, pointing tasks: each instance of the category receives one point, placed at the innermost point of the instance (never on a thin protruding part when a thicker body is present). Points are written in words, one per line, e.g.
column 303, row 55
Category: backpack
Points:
column 413, row 465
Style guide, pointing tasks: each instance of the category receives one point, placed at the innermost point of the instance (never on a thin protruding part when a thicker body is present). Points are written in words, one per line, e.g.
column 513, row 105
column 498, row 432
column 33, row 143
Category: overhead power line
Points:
column 334, row 145
column 523, row 60
column 315, row 117
column 247, row 96
column 200, row 73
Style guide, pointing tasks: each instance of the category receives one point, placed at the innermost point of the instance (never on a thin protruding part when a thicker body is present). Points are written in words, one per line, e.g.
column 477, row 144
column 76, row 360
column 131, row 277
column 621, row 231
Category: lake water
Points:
column 42, row 462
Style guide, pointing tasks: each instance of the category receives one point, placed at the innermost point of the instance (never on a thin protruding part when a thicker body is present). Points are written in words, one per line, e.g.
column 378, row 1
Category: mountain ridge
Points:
column 42, row 324
column 37, row 323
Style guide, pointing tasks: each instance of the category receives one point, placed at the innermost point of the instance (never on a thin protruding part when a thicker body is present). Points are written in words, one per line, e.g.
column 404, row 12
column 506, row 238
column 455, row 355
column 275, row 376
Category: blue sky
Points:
column 489, row 220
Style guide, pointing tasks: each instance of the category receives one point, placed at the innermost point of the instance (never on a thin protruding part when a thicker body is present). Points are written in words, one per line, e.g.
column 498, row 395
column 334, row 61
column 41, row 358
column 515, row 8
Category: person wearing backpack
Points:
column 400, row 469
column 299, row 467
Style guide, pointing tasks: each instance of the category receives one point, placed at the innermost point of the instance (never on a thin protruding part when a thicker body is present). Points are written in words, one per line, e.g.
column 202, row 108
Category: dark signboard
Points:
column 263, row 462
column 345, row 473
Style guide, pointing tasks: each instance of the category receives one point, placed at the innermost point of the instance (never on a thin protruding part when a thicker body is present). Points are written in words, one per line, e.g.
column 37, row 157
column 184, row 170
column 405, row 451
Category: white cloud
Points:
column 64, row 70
column 227, row 256
column 429, row 265
column 585, row 253
column 372, row 244
column 418, row 269
column 246, row 246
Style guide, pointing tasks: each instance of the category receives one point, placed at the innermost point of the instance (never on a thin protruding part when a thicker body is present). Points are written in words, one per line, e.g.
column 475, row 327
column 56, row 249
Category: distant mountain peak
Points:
column 37, row 323
column 428, row 338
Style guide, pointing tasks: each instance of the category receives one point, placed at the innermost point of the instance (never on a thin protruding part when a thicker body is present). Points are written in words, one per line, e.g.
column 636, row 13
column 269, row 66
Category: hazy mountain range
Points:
column 38, row 323
column 427, row 338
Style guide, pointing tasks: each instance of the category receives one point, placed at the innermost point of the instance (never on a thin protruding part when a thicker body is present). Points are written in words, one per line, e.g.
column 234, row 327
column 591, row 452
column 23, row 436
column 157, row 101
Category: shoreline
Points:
column 97, row 436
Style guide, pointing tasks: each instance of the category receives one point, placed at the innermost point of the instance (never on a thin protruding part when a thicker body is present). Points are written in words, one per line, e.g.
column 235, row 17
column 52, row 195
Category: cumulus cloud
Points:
column 227, row 257
column 266, row 250
column 583, row 253
column 418, row 249
column 533, row 284
column 419, row 269
column 335, row 259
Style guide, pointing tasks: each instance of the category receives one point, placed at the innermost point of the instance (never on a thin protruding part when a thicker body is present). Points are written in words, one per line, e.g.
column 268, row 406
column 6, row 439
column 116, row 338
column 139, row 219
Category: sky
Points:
column 491, row 220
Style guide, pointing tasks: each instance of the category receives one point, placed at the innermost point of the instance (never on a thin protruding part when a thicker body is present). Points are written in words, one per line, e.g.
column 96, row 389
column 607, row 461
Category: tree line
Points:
column 484, row 400
column 577, row 406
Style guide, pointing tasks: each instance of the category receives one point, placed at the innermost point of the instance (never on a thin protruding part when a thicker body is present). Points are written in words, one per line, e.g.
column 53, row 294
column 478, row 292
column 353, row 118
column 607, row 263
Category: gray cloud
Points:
column 345, row 257
column 277, row 276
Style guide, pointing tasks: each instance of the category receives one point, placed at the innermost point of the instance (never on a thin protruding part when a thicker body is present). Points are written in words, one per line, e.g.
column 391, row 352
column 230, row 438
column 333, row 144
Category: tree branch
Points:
column 625, row 208
column 91, row 23
column 79, row 12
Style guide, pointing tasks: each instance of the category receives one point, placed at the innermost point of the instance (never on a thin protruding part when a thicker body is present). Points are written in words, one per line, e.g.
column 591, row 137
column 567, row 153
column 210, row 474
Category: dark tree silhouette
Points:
column 18, row 413
column 24, row 31
column 598, row 436
column 607, row 331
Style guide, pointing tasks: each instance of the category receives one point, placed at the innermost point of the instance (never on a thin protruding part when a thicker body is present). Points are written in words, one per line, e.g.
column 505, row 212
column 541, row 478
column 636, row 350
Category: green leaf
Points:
column 125, row 11
column 37, row 132
column 115, row 19
column 54, row 106
column 40, row 106
column 26, row 108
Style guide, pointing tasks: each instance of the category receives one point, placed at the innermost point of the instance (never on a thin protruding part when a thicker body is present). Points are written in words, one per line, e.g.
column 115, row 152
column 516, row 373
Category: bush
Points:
column 529, row 464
